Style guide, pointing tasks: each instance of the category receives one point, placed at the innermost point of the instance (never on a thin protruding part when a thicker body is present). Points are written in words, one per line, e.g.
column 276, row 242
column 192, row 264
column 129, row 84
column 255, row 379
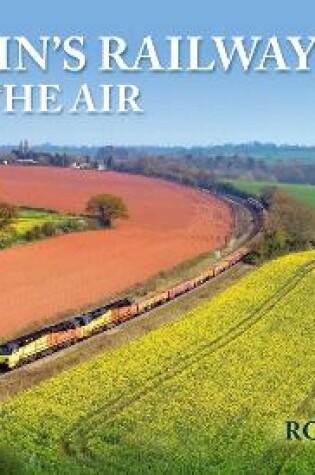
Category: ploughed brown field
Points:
column 168, row 224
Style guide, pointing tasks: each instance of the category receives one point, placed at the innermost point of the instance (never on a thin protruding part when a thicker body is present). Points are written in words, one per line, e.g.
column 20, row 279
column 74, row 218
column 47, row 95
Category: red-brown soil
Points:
column 168, row 224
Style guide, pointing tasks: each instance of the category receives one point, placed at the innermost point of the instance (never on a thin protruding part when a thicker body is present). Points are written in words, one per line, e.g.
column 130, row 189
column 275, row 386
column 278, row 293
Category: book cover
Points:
column 157, row 233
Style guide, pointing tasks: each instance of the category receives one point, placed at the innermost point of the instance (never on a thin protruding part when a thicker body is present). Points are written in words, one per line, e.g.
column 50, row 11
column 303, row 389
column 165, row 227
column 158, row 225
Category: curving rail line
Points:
column 39, row 344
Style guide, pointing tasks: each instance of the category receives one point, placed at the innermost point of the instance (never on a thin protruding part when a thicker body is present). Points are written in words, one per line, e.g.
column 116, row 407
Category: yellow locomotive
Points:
column 49, row 339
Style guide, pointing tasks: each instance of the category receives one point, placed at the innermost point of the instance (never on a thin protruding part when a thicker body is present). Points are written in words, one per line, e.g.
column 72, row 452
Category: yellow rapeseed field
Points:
column 208, row 393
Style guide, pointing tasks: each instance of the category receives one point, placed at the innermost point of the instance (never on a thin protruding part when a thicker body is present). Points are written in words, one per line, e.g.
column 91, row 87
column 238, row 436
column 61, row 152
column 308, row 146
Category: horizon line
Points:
column 159, row 145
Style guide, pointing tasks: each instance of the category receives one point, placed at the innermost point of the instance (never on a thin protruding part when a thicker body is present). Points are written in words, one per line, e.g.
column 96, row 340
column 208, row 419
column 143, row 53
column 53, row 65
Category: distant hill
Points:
column 252, row 149
column 54, row 149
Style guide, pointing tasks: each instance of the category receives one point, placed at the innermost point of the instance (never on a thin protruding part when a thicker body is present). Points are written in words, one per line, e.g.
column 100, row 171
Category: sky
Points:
column 179, row 108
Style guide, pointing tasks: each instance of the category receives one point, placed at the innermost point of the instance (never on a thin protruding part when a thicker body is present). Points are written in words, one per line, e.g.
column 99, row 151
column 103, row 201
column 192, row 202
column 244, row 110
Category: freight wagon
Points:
column 68, row 332
column 152, row 302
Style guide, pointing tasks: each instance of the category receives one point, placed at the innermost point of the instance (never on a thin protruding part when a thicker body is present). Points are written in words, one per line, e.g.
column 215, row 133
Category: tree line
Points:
column 288, row 226
column 220, row 167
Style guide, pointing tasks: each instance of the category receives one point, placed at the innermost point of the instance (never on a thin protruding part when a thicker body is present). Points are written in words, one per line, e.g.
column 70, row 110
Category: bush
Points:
column 78, row 224
column 289, row 226
column 34, row 233
column 7, row 214
column 49, row 228
column 9, row 463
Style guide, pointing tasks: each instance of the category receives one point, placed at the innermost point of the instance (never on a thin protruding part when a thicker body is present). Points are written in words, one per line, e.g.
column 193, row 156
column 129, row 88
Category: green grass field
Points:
column 208, row 393
column 305, row 193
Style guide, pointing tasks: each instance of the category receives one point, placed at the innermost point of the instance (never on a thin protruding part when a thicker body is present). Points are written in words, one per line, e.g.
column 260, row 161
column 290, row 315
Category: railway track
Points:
column 145, row 325
column 256, row 223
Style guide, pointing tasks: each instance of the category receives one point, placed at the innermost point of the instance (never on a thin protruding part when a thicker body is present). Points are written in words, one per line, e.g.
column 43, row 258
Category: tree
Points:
column 7, row 214
column 107, row 208
column 289, row 226
column 109, row 162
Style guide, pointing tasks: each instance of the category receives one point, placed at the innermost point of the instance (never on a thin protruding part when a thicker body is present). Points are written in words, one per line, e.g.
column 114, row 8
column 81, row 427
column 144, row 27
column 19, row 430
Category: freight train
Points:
column 44, row 342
